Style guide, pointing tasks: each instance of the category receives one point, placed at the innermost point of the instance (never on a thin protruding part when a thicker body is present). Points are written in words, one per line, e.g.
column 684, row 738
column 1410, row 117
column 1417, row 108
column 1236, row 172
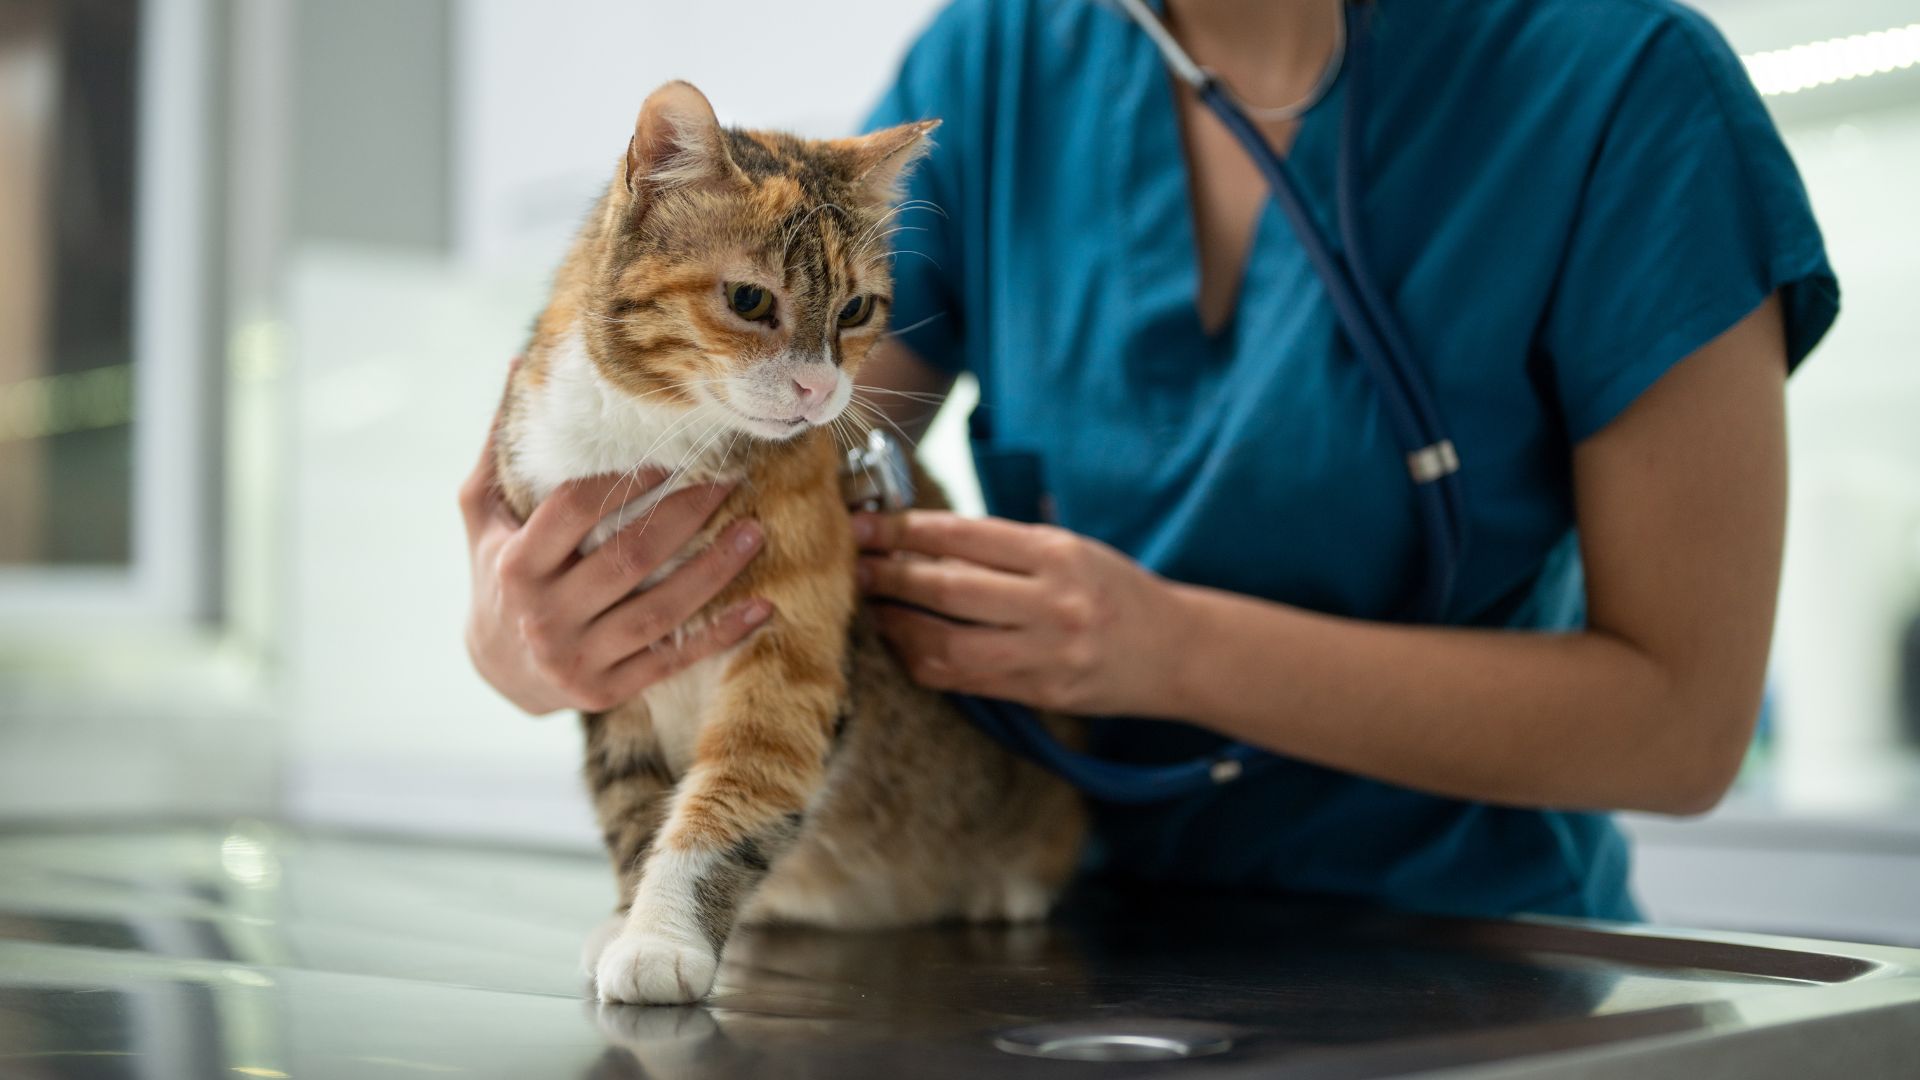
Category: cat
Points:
column 709, row 319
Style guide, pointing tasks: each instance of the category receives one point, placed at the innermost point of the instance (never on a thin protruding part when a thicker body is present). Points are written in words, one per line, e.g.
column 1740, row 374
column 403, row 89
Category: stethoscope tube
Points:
column 1374, row 333
column 1406, row 402
column 1444, row 551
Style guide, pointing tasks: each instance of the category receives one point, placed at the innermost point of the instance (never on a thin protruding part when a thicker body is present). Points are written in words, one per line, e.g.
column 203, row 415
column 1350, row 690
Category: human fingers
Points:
column 997, row 542
column 557, row 527
column 627, row 557
column 664, row 659
column 658, row 612
column 944, row 655
column 956, row 588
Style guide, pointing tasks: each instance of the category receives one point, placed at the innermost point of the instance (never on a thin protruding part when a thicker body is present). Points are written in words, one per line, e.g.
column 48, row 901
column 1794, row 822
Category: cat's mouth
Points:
column 769, row 426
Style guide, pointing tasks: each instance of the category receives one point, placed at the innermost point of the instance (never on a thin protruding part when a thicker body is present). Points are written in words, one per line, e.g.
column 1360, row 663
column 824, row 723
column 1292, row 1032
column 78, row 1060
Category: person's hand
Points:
column 1028, row 613
column 551, row 629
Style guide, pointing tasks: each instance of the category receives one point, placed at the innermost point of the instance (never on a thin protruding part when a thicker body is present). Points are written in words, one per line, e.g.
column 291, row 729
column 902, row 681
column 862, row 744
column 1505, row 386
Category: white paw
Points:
column 1013, row 900
column 596, row 943
column 641, row 968
column 1027, row 901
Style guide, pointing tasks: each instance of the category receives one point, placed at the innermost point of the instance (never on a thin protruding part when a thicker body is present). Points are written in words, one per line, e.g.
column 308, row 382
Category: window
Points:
column 103, row 368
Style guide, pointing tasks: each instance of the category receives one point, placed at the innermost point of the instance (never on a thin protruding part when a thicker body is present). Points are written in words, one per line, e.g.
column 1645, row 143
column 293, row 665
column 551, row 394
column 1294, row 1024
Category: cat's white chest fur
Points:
column 577, row 425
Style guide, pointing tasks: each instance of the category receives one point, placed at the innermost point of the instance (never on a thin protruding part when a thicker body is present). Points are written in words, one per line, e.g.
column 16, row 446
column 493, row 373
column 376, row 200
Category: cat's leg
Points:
column 630, row 782
column 760, row 760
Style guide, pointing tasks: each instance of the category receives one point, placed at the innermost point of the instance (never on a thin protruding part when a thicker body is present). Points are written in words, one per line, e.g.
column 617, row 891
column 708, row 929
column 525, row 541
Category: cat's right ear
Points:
column 676, row 142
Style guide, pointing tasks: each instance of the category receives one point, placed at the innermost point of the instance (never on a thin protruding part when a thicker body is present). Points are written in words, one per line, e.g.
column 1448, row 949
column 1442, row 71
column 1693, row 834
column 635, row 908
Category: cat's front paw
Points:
column 643, row 968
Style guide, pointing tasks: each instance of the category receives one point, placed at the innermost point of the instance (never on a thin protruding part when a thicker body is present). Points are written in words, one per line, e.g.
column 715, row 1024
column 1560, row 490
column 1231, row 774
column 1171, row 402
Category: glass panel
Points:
column 67, row 165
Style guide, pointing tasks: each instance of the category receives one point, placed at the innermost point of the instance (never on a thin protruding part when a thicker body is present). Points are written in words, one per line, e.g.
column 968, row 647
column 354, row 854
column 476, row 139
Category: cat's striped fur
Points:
column 801, row 776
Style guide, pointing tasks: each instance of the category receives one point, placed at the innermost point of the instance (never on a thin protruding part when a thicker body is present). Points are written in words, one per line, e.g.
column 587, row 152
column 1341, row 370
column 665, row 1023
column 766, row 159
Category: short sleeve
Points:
column 938, row 79
column 1691, row 215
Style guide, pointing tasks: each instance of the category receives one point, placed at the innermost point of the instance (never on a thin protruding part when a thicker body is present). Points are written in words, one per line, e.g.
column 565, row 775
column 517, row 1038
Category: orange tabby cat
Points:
column 709, row 320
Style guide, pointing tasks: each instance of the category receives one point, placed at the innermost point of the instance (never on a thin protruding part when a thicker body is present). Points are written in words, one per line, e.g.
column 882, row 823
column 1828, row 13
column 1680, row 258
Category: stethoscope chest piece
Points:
column 878, row 475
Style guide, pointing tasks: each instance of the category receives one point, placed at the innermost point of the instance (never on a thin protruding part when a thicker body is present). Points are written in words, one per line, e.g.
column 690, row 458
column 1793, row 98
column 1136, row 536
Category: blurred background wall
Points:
column 265, row 263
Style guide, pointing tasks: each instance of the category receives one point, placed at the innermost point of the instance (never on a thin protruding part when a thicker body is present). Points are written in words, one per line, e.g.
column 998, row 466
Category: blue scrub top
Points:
column 1562, row 198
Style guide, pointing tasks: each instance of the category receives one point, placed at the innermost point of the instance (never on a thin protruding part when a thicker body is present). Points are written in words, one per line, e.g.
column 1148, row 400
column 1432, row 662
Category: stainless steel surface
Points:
column 1118, row 1040
column 246, row 949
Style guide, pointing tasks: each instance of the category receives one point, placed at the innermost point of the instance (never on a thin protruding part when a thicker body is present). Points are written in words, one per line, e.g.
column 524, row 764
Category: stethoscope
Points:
column 1433, row 463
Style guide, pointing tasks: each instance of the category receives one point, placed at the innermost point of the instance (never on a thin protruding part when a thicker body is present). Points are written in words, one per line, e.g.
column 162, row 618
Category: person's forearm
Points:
column 1530, row 719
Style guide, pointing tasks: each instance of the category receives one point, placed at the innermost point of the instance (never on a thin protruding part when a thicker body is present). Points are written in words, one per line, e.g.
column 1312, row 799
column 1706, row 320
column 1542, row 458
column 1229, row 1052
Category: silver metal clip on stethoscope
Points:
column 877, row 476
column 1407, row 402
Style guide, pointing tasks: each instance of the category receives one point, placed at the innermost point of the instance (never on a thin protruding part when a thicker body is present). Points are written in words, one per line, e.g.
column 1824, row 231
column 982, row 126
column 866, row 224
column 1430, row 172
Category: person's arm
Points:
column 1681, row 509
column 551, row 630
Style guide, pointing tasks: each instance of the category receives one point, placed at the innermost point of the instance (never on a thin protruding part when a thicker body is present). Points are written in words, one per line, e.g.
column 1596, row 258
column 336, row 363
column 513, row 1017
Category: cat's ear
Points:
column 880, row 161
column 676, row 142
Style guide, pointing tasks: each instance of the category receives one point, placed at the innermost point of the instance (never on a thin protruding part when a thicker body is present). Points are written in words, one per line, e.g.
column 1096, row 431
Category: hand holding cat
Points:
column 1028, row 613
column 552, row 630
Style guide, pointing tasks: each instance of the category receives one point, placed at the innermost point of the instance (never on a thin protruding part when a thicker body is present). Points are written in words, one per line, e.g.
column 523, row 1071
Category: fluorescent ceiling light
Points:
column 1820, row 63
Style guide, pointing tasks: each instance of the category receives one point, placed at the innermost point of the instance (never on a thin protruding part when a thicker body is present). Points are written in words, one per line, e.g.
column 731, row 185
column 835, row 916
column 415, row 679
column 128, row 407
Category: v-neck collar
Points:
column 1163, row 235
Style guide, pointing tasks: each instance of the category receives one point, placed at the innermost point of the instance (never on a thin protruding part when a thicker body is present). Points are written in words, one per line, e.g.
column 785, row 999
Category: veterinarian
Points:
column 1605, row 263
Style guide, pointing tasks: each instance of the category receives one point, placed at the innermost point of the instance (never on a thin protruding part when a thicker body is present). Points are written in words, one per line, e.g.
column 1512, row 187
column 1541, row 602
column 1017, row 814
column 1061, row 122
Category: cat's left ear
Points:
column 880, row 161
column 676, row 142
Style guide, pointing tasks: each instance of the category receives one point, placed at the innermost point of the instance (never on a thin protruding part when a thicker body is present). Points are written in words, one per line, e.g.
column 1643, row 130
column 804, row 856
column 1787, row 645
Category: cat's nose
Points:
column 813, row 385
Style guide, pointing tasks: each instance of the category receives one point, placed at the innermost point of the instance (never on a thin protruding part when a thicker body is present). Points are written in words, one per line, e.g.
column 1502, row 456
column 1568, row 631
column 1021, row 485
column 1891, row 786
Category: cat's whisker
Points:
column 671, row 483
column 633, row 477
column 866, row 235
column 857, row 427
column 900, row 208
column 922, row 254
column 856, row 423
column 853, row 427
column 727, row 455
column 921, row 204
column 630, row 478
column 880, row 240
column 896, row 210
column 911, row 327
column 911, row 395
column 926, row 412
column 677, row 387
column 679, row 424
column 786, row 241
column 891, row 212
column 878, row 413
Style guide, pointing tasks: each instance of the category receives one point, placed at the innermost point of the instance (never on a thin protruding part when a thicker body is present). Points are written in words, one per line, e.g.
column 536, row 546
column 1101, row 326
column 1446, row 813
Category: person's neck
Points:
column 1270, row 52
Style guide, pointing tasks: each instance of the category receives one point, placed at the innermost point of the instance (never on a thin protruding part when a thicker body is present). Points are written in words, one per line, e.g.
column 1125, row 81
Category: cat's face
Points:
column 747, row 273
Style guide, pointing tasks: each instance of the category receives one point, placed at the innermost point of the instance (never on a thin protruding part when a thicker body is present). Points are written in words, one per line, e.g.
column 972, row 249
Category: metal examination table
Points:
column 244, row 949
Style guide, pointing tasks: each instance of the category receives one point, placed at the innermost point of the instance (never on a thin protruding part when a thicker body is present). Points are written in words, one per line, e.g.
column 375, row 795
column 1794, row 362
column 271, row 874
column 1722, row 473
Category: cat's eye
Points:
column 750, row 302
column 857, row 311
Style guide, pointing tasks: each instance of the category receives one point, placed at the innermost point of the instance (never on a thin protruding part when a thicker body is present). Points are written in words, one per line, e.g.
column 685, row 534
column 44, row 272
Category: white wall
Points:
column 548, row 92
column 1853, row 547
